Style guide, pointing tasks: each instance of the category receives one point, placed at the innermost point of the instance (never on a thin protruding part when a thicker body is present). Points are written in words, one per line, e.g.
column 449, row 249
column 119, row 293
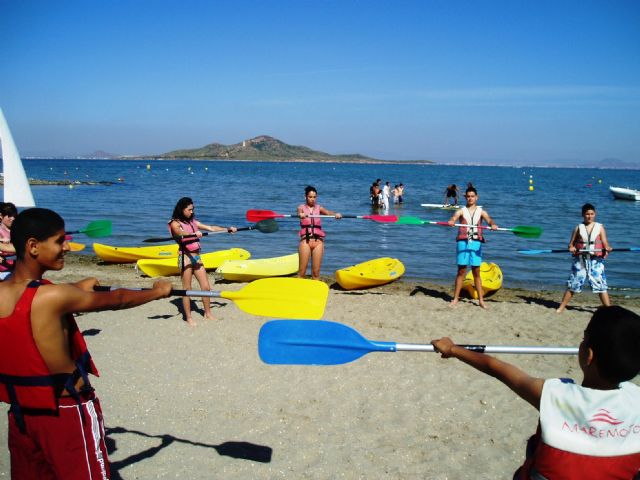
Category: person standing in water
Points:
column 451, row 191
column 469, row 243
column 186, row 229
column 311, row 245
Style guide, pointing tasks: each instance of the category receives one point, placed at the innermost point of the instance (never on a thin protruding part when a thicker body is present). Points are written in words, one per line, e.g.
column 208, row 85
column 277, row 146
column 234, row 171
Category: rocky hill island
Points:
column 265, row 148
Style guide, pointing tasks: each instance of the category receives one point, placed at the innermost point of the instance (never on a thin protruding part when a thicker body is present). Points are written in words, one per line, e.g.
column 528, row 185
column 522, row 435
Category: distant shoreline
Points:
column 299, row 160
column 351, row 162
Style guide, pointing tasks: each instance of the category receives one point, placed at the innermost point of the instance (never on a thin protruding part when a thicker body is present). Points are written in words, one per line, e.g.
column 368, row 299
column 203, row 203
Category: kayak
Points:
column 441, row 206
column 491, row 277
column 372, row 273
column 247, row 270
column 169, row 266
column 76, row 247
column 131, row 254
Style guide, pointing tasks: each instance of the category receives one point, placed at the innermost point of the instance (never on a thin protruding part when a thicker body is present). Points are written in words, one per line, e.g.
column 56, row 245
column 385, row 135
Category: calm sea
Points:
column 141, row 205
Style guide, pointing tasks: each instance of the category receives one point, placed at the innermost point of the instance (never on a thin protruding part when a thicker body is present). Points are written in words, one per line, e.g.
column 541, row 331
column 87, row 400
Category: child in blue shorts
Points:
column 469, row 243
column 589, row 246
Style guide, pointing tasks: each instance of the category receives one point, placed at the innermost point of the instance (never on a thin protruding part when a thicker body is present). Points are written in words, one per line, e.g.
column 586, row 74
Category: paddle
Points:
column 264, row 226
column 564, row 250
column 95, row 229
column 268, row 297
column 257, row 215
column 307, row 342
column 523, row 231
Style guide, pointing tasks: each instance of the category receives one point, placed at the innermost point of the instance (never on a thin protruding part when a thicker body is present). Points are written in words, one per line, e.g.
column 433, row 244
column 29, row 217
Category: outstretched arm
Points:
column 214, row 228
column 57, row 300
column 455, row 217
column 324, row 211
column 487, row 218
column 527, row 387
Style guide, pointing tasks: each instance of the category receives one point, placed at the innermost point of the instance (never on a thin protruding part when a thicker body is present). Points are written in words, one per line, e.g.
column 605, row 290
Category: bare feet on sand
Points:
column 209, row 316
column 191, row 323
column 454, row 303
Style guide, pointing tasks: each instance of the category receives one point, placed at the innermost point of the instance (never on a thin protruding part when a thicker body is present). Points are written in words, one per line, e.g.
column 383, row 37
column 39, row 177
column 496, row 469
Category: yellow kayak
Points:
column 169, row 266
column 370, row 274
column 491, row 277
column 76, row 247
column 132, row 254
column 247, row 270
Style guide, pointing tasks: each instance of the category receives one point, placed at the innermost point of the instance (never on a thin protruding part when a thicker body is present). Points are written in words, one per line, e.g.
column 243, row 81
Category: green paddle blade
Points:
column 267, row 226
column 95, row 229
column 526, row 231
column 409, row 221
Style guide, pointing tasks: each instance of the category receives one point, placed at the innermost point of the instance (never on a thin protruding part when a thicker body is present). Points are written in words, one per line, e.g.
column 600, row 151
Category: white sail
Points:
column 16, row 184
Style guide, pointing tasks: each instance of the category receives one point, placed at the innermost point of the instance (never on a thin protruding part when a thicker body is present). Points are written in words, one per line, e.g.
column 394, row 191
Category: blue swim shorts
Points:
column 469, row 254
column 585, row 269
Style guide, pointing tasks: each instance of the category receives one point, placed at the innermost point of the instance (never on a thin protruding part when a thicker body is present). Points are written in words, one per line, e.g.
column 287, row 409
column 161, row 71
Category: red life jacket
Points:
column 189, row 244
column 590, row 241
column 470, row 233
column 25, row 380
column 311, row 227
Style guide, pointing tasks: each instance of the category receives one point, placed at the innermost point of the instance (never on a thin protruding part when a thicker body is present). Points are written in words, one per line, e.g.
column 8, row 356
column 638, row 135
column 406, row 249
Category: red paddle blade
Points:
column 259, row 215
column 382, row 218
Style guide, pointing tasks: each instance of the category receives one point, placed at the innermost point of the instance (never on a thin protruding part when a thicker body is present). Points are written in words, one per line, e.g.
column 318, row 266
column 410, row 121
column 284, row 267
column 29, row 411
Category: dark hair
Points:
column 586, row 207
column 613, row 334
column 471, row 189
column 178, row 210
column 8, row 208
column 310, row 189
column 38, row 223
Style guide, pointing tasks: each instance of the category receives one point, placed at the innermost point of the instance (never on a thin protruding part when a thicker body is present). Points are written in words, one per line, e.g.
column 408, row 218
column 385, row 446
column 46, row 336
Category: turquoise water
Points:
column 141, row 205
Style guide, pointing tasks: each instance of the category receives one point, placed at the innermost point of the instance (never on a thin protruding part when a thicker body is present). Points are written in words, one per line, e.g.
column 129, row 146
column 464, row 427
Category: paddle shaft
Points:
column 255, row 215
column 193, row 235
column 565, row 250
column 174, row 292
column 415, row 347
column 446, row 224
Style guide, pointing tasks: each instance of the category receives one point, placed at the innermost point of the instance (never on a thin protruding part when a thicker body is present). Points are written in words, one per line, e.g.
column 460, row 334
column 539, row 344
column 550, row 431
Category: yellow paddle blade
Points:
column 282, row 297
column 76, row 247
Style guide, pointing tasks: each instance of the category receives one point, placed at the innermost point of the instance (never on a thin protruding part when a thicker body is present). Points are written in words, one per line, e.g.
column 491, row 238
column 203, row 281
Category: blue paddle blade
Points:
column 314, row 342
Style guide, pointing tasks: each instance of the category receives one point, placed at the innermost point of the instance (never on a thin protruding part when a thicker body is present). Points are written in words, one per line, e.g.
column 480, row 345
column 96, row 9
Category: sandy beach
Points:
column 198, row 403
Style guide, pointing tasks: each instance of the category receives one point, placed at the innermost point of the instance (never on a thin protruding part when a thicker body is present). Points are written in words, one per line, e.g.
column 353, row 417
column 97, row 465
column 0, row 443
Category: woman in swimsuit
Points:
column 311, row 244
column 184, row 223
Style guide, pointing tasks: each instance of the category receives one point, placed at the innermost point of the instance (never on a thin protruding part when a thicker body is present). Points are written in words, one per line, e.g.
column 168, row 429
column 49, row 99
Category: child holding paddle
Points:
column 311, row 245
column 186, row 229
column 591, row 431
column 469, row 243
column 55, row 421
column 589, row 246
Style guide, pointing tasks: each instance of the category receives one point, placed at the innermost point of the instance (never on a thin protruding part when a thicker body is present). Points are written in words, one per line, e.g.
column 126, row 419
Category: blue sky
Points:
column 513, row 81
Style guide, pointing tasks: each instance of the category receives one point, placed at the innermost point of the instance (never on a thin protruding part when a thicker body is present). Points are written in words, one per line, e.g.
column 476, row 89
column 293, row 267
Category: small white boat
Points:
column 625, row 193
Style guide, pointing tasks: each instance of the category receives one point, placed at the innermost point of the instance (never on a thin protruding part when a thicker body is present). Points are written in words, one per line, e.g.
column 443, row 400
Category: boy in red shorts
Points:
column 55, row 421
